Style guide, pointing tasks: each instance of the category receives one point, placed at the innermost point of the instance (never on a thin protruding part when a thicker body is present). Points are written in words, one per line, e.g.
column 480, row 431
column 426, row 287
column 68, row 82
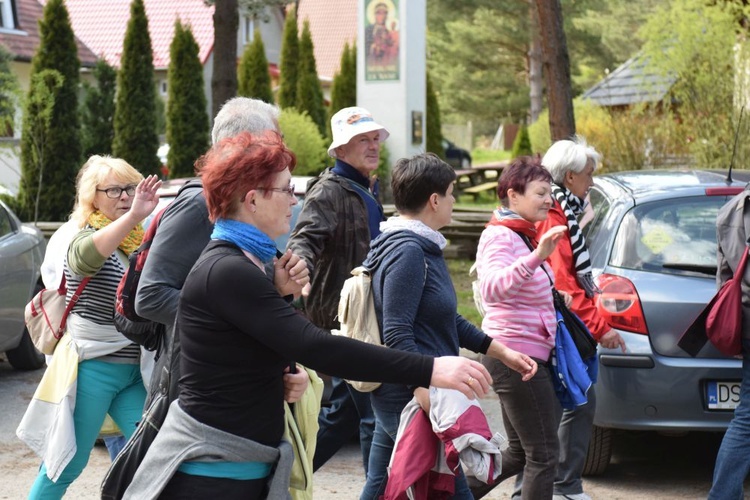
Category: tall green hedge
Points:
column 309, row 93
column 136, row 140
column 522, row 143
column 98, row 112
column 187, row 118
column 51, row 145
column 287, row 96
column 253, row 78
column 434, row 139
column 344, row 87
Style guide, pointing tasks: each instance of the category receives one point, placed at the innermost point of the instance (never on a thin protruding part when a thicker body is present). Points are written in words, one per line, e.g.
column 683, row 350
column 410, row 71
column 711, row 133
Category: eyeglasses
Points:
column 116, row 192
column 288, row 190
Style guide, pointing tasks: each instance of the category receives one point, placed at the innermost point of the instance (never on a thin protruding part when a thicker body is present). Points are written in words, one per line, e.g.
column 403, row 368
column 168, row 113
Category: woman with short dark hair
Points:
column 416, row 303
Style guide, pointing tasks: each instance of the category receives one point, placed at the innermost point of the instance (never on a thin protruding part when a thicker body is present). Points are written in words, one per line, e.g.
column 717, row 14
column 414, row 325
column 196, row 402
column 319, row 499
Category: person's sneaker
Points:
column 572, row 496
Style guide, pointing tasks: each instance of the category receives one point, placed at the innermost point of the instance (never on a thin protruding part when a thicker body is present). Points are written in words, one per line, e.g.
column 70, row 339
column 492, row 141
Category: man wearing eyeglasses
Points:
column 333, row 232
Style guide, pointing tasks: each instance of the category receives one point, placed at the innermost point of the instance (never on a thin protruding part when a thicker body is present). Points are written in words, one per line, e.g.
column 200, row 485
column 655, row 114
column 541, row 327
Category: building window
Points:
column 249, row 29
column 6, row 14
column 163, row 87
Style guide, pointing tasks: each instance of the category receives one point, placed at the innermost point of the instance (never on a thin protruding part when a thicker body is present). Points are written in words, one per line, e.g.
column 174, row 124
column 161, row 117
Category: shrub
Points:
column 302, row 136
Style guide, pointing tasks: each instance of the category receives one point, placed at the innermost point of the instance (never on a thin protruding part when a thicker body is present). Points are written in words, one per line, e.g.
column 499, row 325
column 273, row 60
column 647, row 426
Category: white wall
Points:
column 392, row 102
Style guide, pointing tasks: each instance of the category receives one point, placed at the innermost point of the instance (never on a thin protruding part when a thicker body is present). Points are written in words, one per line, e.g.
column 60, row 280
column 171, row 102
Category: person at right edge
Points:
column 572, row 164
column 333, row 233
column 733, row 460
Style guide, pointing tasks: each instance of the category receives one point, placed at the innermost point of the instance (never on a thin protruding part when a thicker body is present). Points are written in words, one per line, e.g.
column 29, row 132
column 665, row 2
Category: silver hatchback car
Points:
column 652, row 239
column 21, row 253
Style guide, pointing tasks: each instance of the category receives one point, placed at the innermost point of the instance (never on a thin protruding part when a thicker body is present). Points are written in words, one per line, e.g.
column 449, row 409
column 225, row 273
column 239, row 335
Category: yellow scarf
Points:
column 132, row 241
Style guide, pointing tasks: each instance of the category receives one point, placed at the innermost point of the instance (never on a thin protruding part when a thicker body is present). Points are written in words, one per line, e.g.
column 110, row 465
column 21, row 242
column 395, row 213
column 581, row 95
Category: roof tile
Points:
column 332, row 24
column 24, row 42
column 101, row 24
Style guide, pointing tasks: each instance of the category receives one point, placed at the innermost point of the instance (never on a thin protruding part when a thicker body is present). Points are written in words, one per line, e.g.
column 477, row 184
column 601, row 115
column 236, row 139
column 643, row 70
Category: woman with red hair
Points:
column 223, row 438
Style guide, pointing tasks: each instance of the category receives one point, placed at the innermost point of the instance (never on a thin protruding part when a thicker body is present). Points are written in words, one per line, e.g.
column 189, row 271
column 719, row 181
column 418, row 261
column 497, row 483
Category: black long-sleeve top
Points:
column 238, row 334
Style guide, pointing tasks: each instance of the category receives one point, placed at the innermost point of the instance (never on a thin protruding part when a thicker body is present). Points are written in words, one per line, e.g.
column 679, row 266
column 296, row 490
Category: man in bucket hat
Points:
column 333, row 232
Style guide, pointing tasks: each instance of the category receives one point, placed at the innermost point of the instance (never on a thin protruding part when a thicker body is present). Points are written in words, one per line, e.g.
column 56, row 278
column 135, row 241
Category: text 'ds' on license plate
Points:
column 722, row 395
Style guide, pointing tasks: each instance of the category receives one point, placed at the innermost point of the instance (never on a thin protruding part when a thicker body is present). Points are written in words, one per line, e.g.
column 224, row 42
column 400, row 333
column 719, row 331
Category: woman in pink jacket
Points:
column 517, row 299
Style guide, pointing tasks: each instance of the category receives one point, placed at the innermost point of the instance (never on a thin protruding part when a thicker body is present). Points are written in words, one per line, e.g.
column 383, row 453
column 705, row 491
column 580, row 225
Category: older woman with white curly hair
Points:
column 572, row 164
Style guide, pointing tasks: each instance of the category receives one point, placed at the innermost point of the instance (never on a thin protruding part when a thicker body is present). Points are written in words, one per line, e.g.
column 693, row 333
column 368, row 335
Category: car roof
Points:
column 642, row 184
column 169, row 188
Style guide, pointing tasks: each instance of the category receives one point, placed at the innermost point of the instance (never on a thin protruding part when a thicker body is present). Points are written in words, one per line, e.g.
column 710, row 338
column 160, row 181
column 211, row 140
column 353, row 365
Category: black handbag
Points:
column 578, row 330
column 580, row 334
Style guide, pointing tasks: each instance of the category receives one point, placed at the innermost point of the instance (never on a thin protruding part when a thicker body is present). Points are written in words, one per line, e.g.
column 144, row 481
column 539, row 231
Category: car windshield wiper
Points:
column 698, row 268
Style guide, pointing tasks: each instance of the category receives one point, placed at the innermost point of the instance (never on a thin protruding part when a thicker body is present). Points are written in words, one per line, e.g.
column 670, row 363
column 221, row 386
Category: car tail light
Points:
column 620, row 305
column 724, row 191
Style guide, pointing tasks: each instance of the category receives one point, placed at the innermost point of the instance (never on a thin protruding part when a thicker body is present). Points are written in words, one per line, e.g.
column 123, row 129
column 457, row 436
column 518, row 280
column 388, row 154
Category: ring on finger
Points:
column 470, row 381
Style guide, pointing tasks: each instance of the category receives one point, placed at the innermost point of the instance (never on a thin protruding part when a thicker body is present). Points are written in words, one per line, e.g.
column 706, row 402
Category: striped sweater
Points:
column 516, row 293
column 97, row 301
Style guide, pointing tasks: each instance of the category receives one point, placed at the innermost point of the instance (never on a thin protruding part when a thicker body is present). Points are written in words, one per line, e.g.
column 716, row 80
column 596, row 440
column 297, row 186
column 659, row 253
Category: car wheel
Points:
column 25, row 356
column 465, row 163
column 600, row 451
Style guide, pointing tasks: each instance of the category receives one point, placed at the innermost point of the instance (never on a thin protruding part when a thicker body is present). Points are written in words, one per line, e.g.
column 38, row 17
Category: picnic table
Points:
column 479, row 178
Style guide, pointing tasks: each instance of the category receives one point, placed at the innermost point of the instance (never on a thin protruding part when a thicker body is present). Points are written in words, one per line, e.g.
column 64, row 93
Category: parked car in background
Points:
column 455, row 156
column 169, row 189
column 652, row 240
column 21, row 254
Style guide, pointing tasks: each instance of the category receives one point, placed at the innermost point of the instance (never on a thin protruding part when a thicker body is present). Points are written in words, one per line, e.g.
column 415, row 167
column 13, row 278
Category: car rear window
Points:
column 674, row 236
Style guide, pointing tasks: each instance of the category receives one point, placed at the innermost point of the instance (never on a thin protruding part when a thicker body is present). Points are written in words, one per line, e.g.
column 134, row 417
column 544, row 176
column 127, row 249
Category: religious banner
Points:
column 381, row 40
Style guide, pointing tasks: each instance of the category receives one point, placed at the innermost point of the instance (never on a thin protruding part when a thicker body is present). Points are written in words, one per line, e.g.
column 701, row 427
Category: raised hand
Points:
column 145, row 199
column 549, row 240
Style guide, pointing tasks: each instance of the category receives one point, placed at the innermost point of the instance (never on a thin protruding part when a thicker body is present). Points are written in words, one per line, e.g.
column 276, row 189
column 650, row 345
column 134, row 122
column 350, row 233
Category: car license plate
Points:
column 722, row 395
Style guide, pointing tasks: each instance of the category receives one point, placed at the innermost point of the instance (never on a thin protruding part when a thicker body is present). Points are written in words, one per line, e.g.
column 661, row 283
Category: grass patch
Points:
column 482, row 155
column 459, row 271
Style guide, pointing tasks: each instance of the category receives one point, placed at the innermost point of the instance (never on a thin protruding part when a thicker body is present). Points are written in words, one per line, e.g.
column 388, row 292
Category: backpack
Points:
column 357, row 317
column 149, row 334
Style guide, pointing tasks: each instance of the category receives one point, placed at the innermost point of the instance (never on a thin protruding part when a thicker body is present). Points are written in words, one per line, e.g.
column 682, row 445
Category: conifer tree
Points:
column 9, row 91
column 59, row 153
column 136, row 140
column 187, row 118
column 98, row 112
column 253, row 77
column 434, row 139
column 309, row 93
column 344, row 87
column 287, row 96
column 522, row 143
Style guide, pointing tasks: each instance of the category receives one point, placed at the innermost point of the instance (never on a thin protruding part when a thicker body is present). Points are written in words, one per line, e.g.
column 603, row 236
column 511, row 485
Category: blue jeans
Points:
column 733, row 460
column 102, row 388
column 114, row 445
column 350, row 411
column 383, row 441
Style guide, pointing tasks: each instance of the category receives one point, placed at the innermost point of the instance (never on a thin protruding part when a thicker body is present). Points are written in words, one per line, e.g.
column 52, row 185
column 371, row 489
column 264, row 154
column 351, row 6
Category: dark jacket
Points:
column 415, row 303
column 333, row 237
column 732, row 231
column 183, row 233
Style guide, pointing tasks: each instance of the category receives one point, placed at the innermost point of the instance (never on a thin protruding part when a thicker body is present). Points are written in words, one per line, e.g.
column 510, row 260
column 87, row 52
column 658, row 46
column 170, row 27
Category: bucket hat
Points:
column 349, row 122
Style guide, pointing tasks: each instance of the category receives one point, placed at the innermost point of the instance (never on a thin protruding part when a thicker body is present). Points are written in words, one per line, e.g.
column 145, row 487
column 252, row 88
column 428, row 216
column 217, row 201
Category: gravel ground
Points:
column 645, row 466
